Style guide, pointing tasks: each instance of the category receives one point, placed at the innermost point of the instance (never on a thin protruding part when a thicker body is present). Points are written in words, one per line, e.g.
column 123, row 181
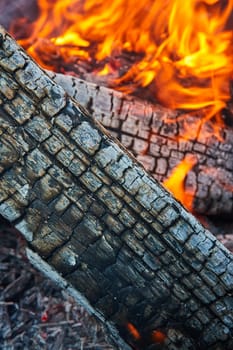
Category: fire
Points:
column 175, row 183
column 183, row 49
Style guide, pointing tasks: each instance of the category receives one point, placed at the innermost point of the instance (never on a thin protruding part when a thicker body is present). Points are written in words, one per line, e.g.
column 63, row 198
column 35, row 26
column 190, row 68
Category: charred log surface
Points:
column 158, row 138
column 100, row 226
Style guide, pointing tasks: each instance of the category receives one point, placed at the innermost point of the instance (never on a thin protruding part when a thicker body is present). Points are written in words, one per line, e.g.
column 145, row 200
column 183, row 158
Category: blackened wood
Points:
column 158, row 136
column 100, row 226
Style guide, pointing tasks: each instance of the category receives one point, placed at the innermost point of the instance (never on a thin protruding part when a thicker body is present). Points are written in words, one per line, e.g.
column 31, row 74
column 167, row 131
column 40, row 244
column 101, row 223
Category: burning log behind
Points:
column 100, row 226
column 158, row 138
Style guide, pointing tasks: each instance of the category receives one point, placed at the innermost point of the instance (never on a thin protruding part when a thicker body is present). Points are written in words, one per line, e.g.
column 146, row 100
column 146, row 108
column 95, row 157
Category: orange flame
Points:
column 184, row 47
column 175, row 183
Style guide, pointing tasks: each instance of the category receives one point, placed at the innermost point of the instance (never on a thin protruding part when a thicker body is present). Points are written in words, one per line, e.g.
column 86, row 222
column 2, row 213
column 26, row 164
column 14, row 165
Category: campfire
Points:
column 182, row 53
column 96, row 221
column 175, row 54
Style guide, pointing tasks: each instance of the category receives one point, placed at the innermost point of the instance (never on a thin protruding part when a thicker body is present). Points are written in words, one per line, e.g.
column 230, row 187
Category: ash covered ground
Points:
column 34, row 312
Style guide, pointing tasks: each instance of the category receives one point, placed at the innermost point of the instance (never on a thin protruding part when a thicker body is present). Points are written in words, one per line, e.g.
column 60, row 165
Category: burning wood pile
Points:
column 180, row 56
column 88, row 210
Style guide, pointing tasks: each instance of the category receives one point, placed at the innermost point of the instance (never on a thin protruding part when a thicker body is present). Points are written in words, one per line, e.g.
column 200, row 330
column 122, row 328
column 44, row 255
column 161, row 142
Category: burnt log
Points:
column 161, row 138
column 100, row 226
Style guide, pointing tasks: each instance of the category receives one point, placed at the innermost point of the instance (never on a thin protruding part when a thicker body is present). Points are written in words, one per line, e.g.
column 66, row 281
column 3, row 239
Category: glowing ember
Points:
column 133, row 331
column 175, row 183
column 158, row 337
column 184, row 49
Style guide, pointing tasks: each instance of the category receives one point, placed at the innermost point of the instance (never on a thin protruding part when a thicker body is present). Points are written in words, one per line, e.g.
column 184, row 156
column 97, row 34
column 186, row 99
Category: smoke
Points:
column 11, row 9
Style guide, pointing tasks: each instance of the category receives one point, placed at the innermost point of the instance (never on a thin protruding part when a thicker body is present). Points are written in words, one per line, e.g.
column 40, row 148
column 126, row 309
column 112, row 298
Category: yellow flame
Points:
column 185, row 47
column 175, row 182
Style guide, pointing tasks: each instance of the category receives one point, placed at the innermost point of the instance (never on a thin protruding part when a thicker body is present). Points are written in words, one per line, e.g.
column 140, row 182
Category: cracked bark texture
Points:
column 100, row 226
column 158, row 138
